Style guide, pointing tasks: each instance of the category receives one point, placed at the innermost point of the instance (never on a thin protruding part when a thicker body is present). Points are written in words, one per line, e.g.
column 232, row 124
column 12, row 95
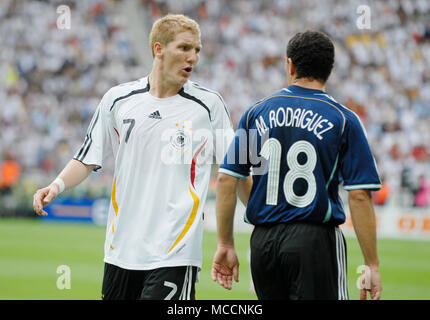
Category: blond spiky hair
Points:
column 166, row 28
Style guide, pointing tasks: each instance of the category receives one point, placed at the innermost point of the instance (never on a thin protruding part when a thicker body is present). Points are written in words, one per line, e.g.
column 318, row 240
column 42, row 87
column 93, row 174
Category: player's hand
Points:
column 371, row 283
column 225, row 266
column 43, row 197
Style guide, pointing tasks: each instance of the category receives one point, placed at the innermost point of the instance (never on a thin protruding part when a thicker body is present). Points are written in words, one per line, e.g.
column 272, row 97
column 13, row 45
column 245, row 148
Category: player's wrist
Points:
column 60, row 184
column 374, row 265
column 226, row 244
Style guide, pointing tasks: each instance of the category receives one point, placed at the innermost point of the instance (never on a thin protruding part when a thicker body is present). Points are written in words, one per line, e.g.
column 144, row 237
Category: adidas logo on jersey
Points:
column 155, row 115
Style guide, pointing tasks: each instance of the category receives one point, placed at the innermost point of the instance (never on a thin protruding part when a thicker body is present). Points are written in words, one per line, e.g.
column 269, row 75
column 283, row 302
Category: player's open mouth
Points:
column 188, row 69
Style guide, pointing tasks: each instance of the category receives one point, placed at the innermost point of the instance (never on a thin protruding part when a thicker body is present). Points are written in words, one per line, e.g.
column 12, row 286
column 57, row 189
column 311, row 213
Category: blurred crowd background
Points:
column 51, row 80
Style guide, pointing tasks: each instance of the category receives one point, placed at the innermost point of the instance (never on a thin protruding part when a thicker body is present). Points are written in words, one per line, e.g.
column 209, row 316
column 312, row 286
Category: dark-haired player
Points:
column 300, row 144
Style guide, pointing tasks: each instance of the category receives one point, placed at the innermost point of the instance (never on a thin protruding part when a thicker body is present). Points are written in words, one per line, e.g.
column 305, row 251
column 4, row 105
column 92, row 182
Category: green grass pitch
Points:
column 31, row 251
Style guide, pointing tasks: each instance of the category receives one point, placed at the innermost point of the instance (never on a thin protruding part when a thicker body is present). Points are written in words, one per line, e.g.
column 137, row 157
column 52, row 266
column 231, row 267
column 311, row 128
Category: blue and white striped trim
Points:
column 329, row 209
column 363, row 186
column 328, row 213
column 342, row 291
column 332, row 172
column 232, row 173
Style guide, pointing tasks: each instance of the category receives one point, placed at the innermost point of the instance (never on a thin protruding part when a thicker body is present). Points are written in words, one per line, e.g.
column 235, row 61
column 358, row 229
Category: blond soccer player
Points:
column 158, row 129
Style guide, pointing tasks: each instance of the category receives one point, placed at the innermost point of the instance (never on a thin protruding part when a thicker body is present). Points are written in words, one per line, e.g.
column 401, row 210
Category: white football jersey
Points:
column 163, row 150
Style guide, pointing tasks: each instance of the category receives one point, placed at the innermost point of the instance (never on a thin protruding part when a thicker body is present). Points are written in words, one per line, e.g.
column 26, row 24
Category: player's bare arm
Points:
column 73, row 174
column 363, row 219
column 225, row 265
column 244, row 187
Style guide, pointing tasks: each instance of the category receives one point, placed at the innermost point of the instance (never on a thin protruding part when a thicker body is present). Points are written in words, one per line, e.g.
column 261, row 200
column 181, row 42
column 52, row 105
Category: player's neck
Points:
column 160, row 87
column 309, row 84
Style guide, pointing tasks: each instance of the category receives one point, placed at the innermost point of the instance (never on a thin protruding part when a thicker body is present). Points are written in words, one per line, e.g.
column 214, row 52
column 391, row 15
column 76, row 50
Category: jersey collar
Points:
column 302, row 90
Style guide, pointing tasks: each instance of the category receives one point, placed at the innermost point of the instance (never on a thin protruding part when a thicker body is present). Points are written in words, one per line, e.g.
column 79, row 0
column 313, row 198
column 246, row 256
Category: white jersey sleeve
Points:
column 98, row 144
column 222, row 129
column 222, row 132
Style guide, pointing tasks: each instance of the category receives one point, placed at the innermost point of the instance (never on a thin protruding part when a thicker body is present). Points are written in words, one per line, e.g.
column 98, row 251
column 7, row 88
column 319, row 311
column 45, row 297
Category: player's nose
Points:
column 193, row 57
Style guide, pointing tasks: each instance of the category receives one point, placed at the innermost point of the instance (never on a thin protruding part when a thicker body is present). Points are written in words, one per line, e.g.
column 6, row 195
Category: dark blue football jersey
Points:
column 300, row 144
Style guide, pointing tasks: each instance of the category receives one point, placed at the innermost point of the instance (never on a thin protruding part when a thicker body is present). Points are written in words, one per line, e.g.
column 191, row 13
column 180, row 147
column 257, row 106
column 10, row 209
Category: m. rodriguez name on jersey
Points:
column 299, row 118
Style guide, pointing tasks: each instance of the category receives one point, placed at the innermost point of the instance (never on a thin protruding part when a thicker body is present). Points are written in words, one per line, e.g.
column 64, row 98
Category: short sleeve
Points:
column 236, row 162
column 97, row 145
column 223, row 132
column 358, row 166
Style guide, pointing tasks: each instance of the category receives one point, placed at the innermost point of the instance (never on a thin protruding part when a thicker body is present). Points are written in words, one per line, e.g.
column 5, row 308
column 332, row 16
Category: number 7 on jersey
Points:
column 131, row 122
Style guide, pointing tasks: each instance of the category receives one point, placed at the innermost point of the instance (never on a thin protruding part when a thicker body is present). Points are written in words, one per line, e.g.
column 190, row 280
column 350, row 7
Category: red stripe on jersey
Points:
column 193, row 163
column 117, row 134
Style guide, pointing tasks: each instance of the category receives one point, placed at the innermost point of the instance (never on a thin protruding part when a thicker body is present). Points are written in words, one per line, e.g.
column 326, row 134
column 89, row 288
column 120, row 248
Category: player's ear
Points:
column 291, row 69
column 158, row 49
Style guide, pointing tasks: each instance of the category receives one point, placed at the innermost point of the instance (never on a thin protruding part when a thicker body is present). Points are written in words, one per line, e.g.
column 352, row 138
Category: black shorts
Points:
column 298, row 261
column 170, row 283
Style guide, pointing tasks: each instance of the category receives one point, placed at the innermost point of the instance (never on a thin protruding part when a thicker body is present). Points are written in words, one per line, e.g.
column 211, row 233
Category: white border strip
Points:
column 232, row 173
column 341, row 264
column 363, row 186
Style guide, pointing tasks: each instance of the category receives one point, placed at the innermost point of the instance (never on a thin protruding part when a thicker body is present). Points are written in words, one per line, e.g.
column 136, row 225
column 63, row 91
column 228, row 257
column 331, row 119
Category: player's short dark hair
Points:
column 312, row 53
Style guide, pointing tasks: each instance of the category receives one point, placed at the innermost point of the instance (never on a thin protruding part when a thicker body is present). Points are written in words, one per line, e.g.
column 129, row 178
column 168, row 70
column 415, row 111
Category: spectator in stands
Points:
column 423, row 193
column 10, row 171
column 381, row 196
column 407, row 186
